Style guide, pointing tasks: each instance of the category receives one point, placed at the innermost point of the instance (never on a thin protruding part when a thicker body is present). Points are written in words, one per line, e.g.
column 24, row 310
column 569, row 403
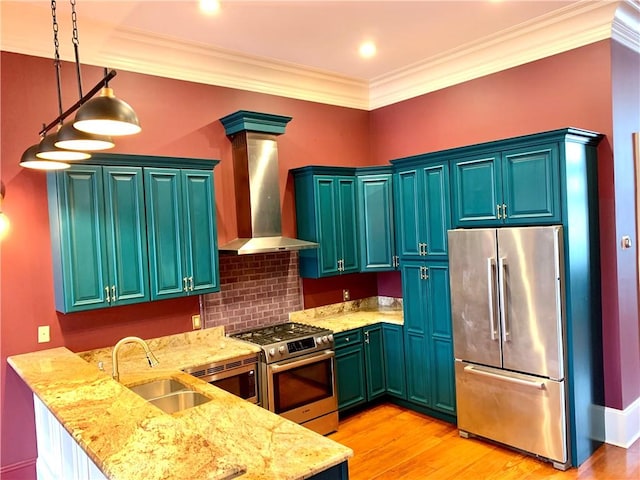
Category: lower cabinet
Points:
column 369, row 364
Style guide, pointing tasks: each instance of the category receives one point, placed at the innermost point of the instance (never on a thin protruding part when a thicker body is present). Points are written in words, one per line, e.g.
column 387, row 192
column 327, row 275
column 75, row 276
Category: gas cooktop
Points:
column 288, row 340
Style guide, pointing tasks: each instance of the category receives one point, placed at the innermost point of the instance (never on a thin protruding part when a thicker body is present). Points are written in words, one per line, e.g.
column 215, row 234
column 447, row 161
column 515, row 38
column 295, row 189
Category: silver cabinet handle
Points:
column 113, row 293
column 191, row 284
column 426, row 273
column 504, row 210
column 491, row 281
column 498, row 207
column 184, row 284
column 366, row 337
column 106, row 289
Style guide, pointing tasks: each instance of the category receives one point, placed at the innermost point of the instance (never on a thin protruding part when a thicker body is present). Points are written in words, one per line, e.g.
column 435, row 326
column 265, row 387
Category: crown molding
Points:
column 571, row 27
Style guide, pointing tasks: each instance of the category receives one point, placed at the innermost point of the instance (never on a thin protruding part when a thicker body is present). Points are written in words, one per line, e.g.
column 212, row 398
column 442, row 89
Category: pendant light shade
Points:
column 29, row 160
column 47, row 150
column 107, row 115
column 70, row 138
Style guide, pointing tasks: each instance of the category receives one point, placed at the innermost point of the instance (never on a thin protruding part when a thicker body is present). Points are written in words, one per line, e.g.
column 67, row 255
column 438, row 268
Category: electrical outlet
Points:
column 195, row 320
column 43, row 334
column 346, row 296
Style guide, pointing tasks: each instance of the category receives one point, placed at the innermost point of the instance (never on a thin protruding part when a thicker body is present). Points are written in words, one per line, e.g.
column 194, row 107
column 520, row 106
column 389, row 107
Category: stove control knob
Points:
column 325, row 339
column 330, row 338
column 272, row 352
column 281, row 350
column 319, row 341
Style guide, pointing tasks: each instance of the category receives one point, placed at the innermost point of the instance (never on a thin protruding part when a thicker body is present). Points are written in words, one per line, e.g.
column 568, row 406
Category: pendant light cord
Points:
column 76, row 44
column 56, row 60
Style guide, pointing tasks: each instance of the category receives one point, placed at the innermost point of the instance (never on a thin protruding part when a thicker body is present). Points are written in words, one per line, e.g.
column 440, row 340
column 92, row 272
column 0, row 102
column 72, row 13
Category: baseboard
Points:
column 23, row 470
column 622, row 427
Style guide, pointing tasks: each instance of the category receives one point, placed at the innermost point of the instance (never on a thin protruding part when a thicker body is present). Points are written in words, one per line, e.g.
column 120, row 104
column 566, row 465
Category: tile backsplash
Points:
column 255, row 290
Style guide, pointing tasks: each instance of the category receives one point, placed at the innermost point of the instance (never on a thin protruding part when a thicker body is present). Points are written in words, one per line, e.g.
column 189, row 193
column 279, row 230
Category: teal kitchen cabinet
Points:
column 326, row 213
column 375, row 219
column 427, row 335
column 183, row 253
column 422, row 209
column 394, row 363
column 360, row 372
column 98, row 236
column 350, row 369
column 515, row 187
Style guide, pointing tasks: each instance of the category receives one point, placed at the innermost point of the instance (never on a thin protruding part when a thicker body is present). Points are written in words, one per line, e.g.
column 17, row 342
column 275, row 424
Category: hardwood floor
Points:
column 390, row 442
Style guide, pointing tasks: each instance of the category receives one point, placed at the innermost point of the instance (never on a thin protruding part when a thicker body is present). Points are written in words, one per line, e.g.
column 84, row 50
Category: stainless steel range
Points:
column 297, row 380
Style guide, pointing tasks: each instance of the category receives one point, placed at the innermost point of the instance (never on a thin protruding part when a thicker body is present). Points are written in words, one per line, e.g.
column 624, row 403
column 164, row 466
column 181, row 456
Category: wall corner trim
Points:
column 625, row 27
column 622, row 427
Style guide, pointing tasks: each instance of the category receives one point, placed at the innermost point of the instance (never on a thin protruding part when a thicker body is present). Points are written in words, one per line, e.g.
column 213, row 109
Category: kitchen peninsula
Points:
column 126, row 437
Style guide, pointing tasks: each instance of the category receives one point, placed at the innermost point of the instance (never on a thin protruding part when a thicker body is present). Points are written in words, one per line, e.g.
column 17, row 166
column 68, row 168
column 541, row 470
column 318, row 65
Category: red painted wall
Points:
column 178, row 118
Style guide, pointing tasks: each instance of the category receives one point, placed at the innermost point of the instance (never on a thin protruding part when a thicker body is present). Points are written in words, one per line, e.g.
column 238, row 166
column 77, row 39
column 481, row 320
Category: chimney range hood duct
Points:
column 257, row 191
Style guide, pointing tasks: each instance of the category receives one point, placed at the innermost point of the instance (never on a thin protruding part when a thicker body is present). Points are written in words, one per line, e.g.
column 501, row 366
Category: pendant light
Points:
column 29, row 160
column 46, row 148
column 69, row 137
column 107, row 115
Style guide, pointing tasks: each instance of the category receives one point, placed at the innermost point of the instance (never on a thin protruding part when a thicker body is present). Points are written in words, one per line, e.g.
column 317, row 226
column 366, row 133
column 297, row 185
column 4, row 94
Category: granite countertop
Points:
column 224, row 438
column 341, row 317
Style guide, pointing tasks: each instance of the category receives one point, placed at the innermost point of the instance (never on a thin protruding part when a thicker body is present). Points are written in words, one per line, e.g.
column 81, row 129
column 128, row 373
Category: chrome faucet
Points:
column 153, row 361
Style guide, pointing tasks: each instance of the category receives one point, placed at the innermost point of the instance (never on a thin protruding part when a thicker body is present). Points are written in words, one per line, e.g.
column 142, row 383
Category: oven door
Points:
column 303, row 389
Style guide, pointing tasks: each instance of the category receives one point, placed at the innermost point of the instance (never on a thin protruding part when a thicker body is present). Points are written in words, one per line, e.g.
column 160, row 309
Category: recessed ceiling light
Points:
column 367, row 49
column 209, row 6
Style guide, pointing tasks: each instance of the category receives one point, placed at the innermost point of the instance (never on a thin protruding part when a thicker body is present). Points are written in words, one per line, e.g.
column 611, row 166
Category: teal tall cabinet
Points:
column 376, row 219
column 113, row 219
column 98, row 236
column 326, row 213
column 182, row 241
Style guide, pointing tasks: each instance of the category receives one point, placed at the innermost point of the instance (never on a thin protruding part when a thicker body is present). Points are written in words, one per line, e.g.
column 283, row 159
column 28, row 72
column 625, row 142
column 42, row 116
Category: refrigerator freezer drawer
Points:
column 522, row 411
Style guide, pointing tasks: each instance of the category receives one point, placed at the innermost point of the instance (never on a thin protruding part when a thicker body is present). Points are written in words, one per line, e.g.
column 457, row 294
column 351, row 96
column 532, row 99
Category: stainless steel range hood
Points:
column 256, row 179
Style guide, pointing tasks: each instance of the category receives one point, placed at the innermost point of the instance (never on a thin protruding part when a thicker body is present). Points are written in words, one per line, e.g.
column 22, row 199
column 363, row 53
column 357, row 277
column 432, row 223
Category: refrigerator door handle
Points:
column 519, row 381
column 502, row 265
column 491, row 283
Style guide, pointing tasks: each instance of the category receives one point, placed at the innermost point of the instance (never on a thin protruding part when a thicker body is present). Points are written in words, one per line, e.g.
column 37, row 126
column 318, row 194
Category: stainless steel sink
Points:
column 169, row 395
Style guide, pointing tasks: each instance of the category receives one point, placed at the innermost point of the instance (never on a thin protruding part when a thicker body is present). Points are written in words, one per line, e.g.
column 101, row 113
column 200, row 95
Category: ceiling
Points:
column 309, row 49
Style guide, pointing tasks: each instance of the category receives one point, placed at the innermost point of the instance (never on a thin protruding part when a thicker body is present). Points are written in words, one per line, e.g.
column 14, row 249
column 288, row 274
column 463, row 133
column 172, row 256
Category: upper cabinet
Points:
column 422, row 210
column 121, row 234
column 99, row 238
column 183, row 253
column 326, row 213
column 375, row 219
column 514, row 187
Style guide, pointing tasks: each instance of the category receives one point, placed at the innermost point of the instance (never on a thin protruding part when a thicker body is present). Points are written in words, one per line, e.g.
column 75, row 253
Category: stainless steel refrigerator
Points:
column 507, row 311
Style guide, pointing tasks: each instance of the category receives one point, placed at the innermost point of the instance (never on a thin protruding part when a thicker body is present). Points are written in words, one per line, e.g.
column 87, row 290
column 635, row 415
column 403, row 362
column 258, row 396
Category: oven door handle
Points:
column 301, row 363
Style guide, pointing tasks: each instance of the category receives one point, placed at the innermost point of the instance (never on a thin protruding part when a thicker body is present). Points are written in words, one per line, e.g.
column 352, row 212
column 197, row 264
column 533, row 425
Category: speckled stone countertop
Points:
column 341, row 317
column 129, row 438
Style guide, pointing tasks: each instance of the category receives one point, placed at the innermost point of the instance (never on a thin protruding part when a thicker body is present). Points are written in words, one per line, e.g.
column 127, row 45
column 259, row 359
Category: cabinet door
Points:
column 477, row 191
column 163, row 189
column 374, row 362
column 327, row 204
column 437, row 216
column 530, row 185
column 350, row 376
column 407, row 210
column 349, row 252
column 394, row 360
column 199, row 232
column 126, row 235
column 441, row 340
column 375, row 216
column 77, row 232
column 415, row 300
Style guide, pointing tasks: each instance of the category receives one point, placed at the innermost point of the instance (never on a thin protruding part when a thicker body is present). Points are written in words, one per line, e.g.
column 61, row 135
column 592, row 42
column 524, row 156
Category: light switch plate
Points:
column 346, row 295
